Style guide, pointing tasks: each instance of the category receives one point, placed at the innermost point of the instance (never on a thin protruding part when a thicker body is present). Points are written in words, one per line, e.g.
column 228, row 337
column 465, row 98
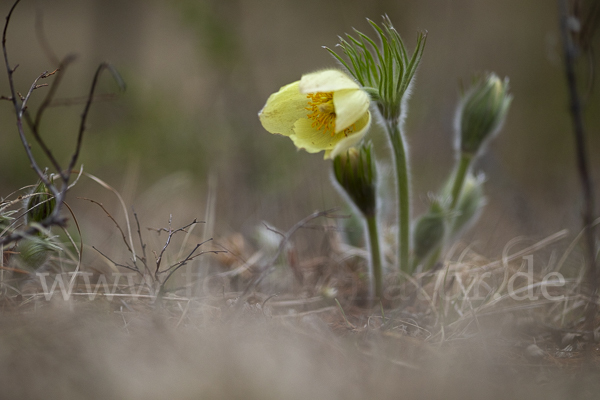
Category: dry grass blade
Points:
column 123, row 206
column 531, row 249
column 571, row 247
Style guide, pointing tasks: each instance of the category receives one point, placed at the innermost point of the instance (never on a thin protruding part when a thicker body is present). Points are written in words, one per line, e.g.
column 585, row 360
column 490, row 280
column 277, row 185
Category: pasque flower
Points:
column 323, row 111
column 386, row 71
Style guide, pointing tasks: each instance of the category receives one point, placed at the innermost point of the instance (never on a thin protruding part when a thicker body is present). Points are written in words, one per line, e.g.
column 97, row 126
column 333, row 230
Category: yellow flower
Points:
column 324, row 110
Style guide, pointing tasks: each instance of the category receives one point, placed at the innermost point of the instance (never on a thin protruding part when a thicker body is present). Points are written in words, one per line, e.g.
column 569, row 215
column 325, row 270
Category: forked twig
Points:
column 20, row 110
column 116, row 263
column 109, row 215
column 168, row 241
column 142, row 244
column 190, row 257
column 285, row 238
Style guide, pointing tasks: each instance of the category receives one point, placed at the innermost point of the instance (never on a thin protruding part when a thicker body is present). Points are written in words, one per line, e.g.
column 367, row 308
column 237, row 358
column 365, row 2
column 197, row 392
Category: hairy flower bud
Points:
column 41, row 204
column 34, row 251
column 356, row 173
column 482, row 112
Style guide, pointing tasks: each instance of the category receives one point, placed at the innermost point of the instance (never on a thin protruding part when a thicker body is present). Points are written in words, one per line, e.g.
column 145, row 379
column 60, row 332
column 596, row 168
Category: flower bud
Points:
column 429, row 230
column 34, row 251
column 482, row 112
column 41, row 204
column 356, row 173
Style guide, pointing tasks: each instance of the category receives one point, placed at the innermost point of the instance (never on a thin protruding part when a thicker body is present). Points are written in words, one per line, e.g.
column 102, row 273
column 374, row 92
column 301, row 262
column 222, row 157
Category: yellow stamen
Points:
column 323, row 112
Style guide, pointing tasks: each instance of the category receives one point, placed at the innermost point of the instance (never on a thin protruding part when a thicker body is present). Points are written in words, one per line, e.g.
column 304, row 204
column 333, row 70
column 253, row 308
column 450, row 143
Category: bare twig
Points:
column 111, row 218
column 187, row 259
column 191, row 256
column 142, row 244
column 20, row 110
column 168, row 241
column 35, row 86
column 19, row 113
column 86, row 110
column 267, row 227
column 267, row 268
column 117, row 264
column 51, row 93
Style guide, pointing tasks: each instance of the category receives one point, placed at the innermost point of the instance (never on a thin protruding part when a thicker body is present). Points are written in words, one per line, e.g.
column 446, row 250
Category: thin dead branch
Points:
column 109, row 215
column 20, row 105
column 285, row 238
column 171, row 233
column 570, row 54
column 116, row 263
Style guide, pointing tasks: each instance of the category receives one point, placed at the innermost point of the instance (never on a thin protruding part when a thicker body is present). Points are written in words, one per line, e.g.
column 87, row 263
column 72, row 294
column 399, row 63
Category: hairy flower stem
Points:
column 375, row 255
column 403, row 190
column 459, row 179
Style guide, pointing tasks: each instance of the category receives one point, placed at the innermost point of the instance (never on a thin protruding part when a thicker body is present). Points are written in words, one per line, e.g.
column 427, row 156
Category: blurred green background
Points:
column 198, row 72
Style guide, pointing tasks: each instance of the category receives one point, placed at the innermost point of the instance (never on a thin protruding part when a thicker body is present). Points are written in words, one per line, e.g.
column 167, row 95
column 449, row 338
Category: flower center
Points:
column 323, row 113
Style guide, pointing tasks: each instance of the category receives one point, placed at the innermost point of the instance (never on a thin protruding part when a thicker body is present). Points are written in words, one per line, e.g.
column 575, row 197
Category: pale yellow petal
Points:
column 312, row 140
column 362, row 127
column 283, row 109
column 328, row 80
column 350, row 105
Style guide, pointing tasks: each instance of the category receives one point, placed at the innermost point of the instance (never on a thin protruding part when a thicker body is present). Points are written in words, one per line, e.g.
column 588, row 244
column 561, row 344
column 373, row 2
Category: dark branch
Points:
column 570, row 53
column 20, row 110
column 168, row 241
column 142, row 244
column 111, row 218
column 190, row 257
column 117, row 264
